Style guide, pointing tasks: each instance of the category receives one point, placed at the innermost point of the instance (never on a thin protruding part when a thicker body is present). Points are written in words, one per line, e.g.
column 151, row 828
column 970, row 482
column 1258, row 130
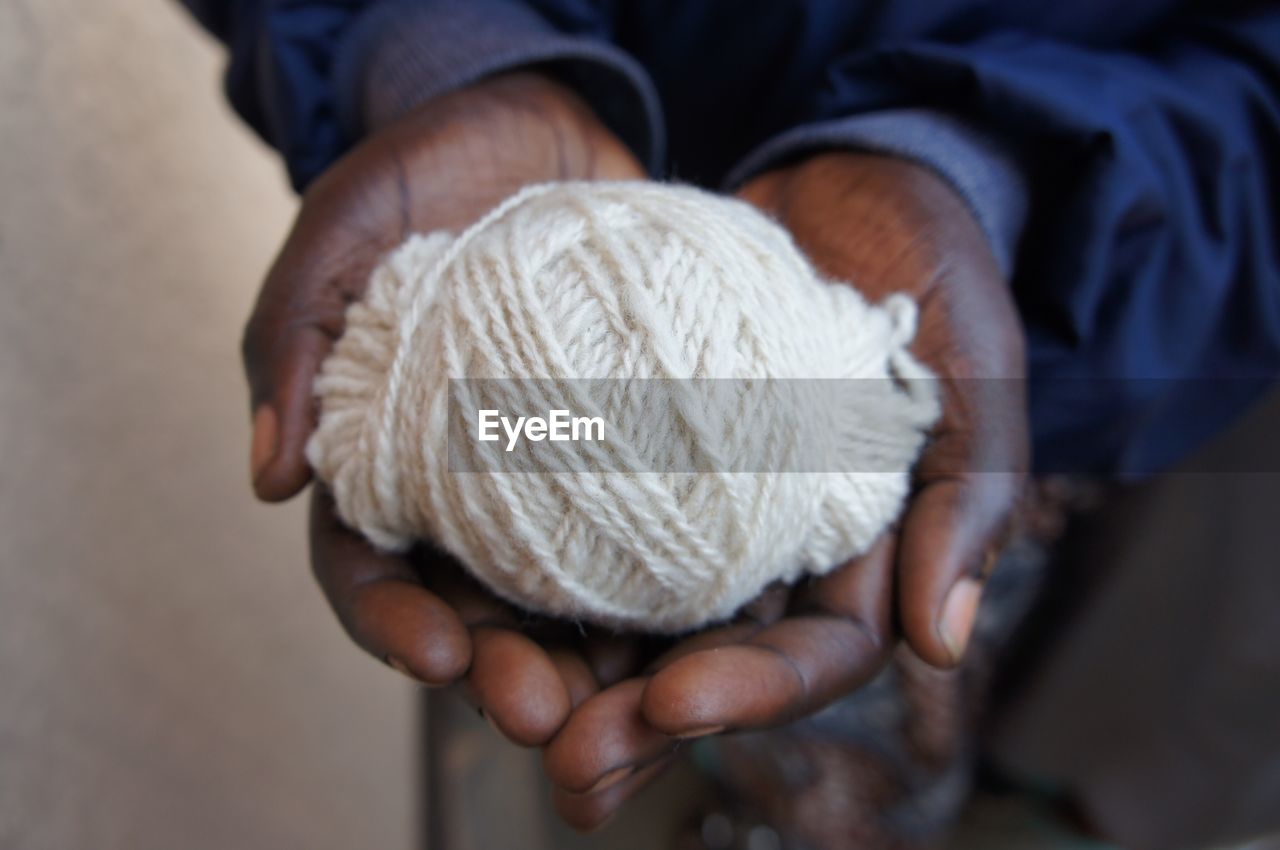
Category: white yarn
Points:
column 627, row 282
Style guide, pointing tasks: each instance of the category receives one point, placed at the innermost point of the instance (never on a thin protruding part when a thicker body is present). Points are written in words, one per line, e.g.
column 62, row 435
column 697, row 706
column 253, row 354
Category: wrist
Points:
column 526, row 116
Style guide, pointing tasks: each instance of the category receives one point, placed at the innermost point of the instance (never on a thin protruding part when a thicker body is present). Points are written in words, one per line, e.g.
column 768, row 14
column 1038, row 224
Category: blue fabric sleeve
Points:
column 312, row 78
column 977, row 165
column 1148, row 273
column 280, row 71
column 402, row 54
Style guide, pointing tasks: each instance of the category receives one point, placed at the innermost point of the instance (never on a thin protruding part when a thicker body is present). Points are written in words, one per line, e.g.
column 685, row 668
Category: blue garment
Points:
column 1146, row 135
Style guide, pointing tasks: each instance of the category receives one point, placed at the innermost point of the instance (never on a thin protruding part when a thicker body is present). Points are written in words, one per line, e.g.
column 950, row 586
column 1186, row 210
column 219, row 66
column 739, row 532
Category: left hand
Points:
column 441, row 166
column 888, row 226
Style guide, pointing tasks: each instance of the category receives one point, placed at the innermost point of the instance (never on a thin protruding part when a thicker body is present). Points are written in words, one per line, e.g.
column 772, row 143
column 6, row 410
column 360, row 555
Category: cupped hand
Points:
column 440, row 167
column 886, row 226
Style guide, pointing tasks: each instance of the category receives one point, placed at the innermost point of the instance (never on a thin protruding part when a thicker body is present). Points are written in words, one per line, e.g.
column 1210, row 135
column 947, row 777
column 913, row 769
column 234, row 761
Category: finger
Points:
column 517, row 686
column 578, row 680
column 474, row 604
column 282, row 365
column 380, row 603
column 587, row 812
column 604, row 740
column 734, row 633
column 765, row 610
column 523, row 688
column 612, row 657
column 299, row 312
column 950, row 538
column 834, row 640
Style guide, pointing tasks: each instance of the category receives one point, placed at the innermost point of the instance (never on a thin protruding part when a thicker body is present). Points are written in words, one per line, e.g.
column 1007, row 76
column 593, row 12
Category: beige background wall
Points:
column 169, row 676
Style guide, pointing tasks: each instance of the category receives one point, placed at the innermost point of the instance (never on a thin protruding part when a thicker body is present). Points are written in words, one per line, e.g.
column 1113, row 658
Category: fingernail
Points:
column 612, row 778
column 701, row 732
column 265, row 434
column 958, row 613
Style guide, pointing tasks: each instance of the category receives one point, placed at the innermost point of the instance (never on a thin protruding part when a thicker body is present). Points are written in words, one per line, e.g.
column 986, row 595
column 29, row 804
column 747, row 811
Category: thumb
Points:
column 949, row 541
column 286, row 339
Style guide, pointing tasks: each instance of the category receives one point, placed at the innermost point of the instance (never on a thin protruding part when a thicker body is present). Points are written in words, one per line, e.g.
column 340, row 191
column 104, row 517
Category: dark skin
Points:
column 608, row 710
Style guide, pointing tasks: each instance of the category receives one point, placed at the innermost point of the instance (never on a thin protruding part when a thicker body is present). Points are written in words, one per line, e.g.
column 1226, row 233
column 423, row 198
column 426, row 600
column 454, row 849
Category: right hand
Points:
column 891, row 226
column 442, row 166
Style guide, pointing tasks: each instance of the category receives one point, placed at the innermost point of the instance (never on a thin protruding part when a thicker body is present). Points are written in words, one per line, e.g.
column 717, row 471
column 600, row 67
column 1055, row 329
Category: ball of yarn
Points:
column 706, row 340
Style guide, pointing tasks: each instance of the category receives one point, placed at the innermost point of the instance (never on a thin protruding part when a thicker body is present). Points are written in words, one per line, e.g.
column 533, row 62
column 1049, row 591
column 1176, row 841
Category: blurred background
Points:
column 169, row 675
